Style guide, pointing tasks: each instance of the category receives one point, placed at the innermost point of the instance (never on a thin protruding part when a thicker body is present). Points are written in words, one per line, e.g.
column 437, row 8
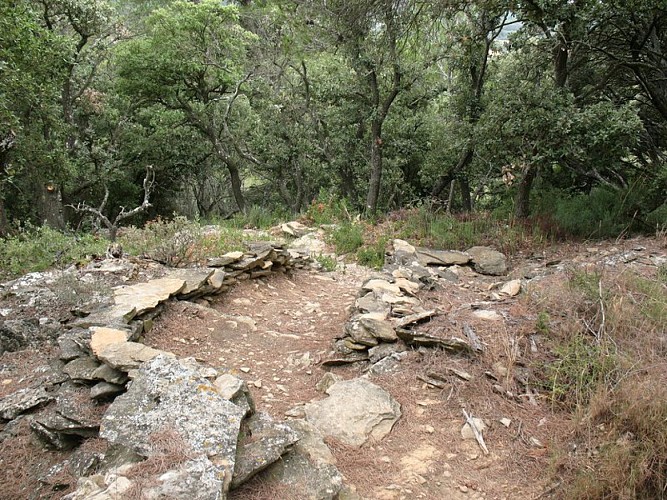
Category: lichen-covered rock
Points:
column 166, row 395
column 23, row 400
column 235, row 390
column 309, row 467
column 82, row 368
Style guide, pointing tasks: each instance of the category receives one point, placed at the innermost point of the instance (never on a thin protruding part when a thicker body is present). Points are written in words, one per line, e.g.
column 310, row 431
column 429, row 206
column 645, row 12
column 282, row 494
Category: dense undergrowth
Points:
column 179, row 241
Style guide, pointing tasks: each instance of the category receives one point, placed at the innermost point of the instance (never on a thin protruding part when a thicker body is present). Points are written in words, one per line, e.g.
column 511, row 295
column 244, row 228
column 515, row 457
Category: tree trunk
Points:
column 4, row 225
column 237, row 185
column 464, row 160
column 464, row 187
column 522, row 201
column 375, row 180
column 50, row 205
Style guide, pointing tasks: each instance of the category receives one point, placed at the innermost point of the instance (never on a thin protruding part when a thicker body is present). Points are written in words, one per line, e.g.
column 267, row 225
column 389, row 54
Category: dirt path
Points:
column 274, row 332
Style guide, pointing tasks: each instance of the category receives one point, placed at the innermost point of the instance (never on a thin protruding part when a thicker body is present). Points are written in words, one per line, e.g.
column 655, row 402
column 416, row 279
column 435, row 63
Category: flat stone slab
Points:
column 355, row 411
column 144, row 297
column 23, row 400
column 225, row 260
column 194, row 278
column 429, row 257
column 126, row 356
column 101, row 337
column 381, row 286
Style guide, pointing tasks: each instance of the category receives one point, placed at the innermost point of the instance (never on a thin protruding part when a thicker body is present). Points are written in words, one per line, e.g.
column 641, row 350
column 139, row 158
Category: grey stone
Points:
column 165, row 395
column 128, row 356
column 381, row 286
column 196, row 479
column 429, row 257
column 378, row 352
column 235, row 390
column 486, row 260
column 452, row 344
column 295, row 229
column 309, row 468
column 359, row 335
column 355, row 411
column 105, row 390
column 82, row 368
column 381, row 330
column 111, row 375
column 327, row 380
column 266, row 441
column 337, row 359
column 308, row 245
column 369, row 303
column 403, row 252
column 387, row 364
column 72, row 345
column 18, row 334
column 13, row 405
column 415, row 318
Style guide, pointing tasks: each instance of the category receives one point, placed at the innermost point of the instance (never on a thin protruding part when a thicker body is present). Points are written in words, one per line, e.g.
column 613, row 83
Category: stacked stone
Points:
column 387, row 307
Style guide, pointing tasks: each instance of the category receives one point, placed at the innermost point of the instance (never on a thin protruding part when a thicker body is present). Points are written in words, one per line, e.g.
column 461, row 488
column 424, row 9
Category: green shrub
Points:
column 373, row 255
column 256, row 217
column 327, row 262
column 347, row 238
column 181, row 242
column 601, row 213
column 40, row 248
column 583, row 366
column 328, row 209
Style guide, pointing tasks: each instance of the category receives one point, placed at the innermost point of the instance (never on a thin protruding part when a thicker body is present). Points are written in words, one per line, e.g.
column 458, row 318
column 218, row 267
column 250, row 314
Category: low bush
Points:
column 373, row 255
column 180, row 242
column 40, row 248
column 347, row 238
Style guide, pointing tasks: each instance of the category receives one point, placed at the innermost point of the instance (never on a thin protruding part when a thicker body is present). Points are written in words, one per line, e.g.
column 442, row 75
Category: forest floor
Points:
column 273, row 332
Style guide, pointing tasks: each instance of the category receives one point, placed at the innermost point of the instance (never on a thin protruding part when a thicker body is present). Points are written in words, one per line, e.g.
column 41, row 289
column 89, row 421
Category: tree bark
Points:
column 522, row 201
column 443, row 181
column 375, row 180
column 466, row 200
column 4, row 224
column 237, row 185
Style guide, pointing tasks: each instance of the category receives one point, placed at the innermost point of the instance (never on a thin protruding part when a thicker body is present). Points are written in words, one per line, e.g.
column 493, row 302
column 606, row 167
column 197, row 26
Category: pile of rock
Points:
column 387, row 308
column 208, row 416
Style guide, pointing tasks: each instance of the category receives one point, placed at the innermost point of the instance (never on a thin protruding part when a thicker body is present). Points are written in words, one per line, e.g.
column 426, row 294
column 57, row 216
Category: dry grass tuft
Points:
column 610, row 370
column 168, row 450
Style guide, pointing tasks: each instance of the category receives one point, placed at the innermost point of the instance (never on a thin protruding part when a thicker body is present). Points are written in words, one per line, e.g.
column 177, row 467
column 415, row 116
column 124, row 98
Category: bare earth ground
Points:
column 273, row 332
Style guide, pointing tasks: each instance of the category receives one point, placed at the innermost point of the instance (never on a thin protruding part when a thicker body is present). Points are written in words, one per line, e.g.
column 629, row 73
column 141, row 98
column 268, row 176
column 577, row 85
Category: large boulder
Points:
column 355, row 411
column 167, row 395
column 486, row 260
